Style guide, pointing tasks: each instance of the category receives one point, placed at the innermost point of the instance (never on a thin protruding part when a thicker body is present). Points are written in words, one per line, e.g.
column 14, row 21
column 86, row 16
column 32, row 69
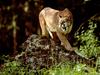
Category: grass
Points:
column 68, row 68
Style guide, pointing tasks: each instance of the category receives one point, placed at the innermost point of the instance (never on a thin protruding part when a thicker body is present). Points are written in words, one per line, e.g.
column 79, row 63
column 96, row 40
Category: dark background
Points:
column 27, row 22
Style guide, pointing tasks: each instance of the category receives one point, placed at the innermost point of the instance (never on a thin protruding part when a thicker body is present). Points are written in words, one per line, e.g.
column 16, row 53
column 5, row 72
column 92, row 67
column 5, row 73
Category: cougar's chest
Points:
column 51, row 27
column 51, row 23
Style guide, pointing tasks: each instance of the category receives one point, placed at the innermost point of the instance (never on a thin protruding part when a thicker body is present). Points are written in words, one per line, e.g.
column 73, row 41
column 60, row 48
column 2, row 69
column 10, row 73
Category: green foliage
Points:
column 68, row 68
column 77, row 69
column 89, row 44
column 98, row 64
column 15, row 68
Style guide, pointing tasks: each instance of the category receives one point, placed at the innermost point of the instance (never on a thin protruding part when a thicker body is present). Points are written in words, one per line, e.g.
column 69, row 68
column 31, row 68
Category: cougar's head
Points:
column 65, row 21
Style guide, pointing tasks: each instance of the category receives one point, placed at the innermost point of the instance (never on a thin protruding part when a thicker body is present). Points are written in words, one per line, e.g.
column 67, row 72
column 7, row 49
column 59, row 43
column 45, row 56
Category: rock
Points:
column 41, row 52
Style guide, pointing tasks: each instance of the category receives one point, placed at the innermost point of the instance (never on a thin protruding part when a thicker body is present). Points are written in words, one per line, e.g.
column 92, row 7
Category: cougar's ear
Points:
column 65, row 9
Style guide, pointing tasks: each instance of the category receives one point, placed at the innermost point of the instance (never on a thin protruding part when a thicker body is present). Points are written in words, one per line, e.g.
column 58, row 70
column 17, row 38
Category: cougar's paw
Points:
column 73, row 49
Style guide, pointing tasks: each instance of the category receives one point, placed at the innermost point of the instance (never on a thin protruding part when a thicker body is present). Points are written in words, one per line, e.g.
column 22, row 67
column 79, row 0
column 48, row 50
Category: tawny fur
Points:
column 61, row 22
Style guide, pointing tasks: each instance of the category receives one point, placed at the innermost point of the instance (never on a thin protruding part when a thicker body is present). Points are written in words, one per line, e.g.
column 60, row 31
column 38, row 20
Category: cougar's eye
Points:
column 60, row 16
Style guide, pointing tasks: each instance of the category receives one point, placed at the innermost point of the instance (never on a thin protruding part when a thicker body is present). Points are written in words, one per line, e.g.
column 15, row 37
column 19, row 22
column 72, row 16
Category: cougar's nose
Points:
column 63, row 25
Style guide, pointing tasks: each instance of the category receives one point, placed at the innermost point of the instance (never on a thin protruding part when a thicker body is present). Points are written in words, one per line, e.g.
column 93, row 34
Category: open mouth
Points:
column 64, row 25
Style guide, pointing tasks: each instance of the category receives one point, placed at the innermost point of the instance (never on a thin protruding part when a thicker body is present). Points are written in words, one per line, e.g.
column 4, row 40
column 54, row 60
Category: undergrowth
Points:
column 68, row 68
column 89, row 43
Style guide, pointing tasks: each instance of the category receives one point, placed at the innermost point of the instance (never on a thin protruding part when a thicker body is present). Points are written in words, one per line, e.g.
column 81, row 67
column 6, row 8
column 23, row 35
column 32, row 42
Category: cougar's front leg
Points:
column 43, row 25
column 64, row 41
